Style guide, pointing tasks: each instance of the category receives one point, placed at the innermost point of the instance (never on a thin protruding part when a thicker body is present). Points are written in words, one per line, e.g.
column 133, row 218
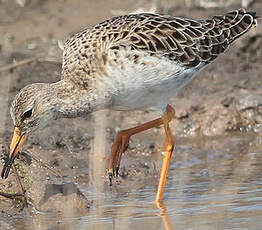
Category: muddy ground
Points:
column 225, row 100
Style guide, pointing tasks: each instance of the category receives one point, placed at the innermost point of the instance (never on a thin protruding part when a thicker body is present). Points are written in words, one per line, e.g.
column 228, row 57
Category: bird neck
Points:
column 72, row 100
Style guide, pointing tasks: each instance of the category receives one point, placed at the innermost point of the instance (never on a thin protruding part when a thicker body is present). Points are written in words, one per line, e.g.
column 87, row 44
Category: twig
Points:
column 18, row 179
column 50, row 60
column 14, row 65
column 22, row 188
column 27, row 61
column 11, row 195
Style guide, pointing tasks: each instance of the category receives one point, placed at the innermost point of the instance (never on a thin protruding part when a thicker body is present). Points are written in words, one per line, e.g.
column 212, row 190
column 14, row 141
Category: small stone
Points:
column 226, row 102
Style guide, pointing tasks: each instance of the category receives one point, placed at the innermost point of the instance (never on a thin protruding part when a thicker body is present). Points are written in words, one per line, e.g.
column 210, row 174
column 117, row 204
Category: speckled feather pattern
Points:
column 185, row 41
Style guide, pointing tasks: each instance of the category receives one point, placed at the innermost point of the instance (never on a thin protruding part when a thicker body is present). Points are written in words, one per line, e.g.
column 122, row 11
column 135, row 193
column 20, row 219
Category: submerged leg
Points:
column 122, row 139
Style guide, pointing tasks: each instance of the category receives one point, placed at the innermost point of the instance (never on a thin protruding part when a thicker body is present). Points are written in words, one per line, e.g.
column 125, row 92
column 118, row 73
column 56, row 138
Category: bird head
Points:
column 32, row 108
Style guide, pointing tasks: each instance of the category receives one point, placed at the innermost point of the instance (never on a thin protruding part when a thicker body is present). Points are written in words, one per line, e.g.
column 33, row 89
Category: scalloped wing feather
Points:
column 187, row 42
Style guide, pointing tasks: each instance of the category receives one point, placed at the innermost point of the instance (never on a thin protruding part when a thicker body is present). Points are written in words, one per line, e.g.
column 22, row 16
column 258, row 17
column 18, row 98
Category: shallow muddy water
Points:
column 212, row 184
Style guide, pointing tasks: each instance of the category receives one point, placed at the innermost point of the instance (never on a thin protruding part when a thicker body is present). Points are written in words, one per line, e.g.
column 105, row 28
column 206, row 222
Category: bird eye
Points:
column 28, row 113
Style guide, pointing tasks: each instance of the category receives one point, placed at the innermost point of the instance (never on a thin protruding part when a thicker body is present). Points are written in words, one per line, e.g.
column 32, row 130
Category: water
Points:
column 215, row 184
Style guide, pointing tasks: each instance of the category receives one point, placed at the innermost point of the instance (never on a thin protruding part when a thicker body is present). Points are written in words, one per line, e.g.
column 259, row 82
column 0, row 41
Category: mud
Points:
column 222, row 103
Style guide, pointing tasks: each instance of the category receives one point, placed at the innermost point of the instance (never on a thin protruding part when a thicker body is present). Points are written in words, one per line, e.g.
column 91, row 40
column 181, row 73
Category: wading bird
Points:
column 130, row 62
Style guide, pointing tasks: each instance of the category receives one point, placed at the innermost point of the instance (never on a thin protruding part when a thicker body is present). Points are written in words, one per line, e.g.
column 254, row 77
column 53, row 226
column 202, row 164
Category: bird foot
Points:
column 113, row 173
column 119, row 146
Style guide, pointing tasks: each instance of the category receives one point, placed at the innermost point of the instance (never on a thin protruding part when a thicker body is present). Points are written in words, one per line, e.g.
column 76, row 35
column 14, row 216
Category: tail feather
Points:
column 238, row 22
column 226, row 29
column 242, row 23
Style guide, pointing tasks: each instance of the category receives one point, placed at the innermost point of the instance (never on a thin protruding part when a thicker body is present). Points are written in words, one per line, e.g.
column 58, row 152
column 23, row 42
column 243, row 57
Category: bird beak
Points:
column 15, row 147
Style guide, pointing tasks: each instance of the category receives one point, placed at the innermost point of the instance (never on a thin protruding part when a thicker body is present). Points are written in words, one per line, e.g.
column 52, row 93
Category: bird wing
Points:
column 185, row 41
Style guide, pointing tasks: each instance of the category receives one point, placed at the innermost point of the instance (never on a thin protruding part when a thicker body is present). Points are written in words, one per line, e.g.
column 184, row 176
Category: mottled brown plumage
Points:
column 184, row 41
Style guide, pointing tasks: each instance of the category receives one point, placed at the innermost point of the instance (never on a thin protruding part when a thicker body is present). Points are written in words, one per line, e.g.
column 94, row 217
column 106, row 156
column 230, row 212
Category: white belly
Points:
column 147, row 96
column 139, row 87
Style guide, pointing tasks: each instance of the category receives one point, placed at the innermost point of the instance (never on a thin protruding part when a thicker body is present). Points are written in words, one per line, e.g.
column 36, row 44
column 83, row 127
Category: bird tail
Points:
column 235, row 23
column 225, row 29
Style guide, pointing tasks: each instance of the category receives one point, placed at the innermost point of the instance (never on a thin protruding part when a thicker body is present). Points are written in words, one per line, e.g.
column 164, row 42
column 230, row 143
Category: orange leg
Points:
column 122, row 140
column 169, row 146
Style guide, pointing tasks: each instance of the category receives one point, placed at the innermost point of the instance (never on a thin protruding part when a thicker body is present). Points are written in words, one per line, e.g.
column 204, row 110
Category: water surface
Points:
column 213, row 183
